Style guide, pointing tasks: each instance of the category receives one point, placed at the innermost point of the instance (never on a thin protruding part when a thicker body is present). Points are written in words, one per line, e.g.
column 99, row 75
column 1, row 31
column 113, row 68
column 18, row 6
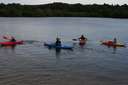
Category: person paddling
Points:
column 114, row 41
column 58, row 42
column 13, row 39
column 82, row 40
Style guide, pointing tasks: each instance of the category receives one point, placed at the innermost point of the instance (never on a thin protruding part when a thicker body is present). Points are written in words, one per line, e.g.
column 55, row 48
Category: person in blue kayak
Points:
column 58, row 42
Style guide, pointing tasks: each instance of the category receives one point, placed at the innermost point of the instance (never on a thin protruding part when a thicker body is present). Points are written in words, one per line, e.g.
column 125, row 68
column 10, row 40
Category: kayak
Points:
column 58, row 47
column 111, row 44
column 11, row 43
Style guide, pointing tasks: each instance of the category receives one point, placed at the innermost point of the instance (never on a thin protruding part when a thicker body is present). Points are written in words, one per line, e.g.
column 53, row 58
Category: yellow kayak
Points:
column 110, row 43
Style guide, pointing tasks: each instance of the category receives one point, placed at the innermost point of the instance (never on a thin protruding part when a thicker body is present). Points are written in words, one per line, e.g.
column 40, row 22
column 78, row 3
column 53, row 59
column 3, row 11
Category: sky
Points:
column 66, row 1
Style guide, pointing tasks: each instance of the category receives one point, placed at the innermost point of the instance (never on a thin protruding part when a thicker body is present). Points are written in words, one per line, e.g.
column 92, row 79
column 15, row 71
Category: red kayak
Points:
column 11, row 43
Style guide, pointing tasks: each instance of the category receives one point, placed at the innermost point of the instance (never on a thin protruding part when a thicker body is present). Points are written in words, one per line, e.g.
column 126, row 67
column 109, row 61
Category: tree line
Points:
column 63, row 10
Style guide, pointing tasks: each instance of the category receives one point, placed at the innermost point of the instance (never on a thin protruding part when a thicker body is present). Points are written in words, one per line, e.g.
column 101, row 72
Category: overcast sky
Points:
column 66, row 1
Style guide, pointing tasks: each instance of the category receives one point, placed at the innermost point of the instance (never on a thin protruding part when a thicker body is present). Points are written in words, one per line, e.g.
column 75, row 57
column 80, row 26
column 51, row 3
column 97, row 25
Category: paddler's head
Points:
column 82, row 35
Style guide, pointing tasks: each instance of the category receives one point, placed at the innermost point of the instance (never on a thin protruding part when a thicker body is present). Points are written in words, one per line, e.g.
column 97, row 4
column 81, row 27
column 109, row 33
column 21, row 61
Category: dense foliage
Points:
column 63, row 10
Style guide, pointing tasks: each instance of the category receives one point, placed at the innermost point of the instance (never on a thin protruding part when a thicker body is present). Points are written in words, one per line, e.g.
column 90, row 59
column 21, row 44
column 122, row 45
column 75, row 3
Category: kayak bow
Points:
column 11, row 43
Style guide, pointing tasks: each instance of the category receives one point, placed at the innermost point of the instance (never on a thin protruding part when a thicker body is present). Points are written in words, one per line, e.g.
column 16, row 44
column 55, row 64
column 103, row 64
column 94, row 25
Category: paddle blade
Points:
column 74, row 39
column 7, row 37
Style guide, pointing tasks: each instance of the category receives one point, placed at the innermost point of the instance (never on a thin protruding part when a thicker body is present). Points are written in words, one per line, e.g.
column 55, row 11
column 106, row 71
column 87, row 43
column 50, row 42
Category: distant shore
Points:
column 64, row 10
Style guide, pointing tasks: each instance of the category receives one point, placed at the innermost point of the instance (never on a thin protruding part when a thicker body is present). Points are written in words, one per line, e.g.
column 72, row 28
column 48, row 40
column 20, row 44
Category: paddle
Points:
column 8, row 37
column 75, row 39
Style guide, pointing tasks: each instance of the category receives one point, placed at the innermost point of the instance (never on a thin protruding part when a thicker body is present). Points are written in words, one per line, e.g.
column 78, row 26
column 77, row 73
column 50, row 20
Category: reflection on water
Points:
column 9, row 47
column 114, row 49
column 58, row 51
column 91, row 64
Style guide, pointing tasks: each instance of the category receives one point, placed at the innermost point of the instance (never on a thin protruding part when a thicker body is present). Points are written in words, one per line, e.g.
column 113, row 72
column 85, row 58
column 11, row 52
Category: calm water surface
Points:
column 93, row 64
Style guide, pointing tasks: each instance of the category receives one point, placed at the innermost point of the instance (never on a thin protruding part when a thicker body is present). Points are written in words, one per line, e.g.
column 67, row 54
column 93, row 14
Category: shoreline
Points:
column 64, row 17
column 64, row 10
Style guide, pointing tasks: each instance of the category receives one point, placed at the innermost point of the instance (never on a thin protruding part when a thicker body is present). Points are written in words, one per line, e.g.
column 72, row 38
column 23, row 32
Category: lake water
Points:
column 93, row 64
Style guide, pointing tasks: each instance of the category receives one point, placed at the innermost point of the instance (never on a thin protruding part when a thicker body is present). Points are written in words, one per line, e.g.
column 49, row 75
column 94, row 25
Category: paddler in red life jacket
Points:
column 58, row 42
column 82, row 40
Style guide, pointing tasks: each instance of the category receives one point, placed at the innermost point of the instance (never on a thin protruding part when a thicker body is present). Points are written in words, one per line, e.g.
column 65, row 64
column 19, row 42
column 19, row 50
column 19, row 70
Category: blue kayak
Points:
column 51, row 45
